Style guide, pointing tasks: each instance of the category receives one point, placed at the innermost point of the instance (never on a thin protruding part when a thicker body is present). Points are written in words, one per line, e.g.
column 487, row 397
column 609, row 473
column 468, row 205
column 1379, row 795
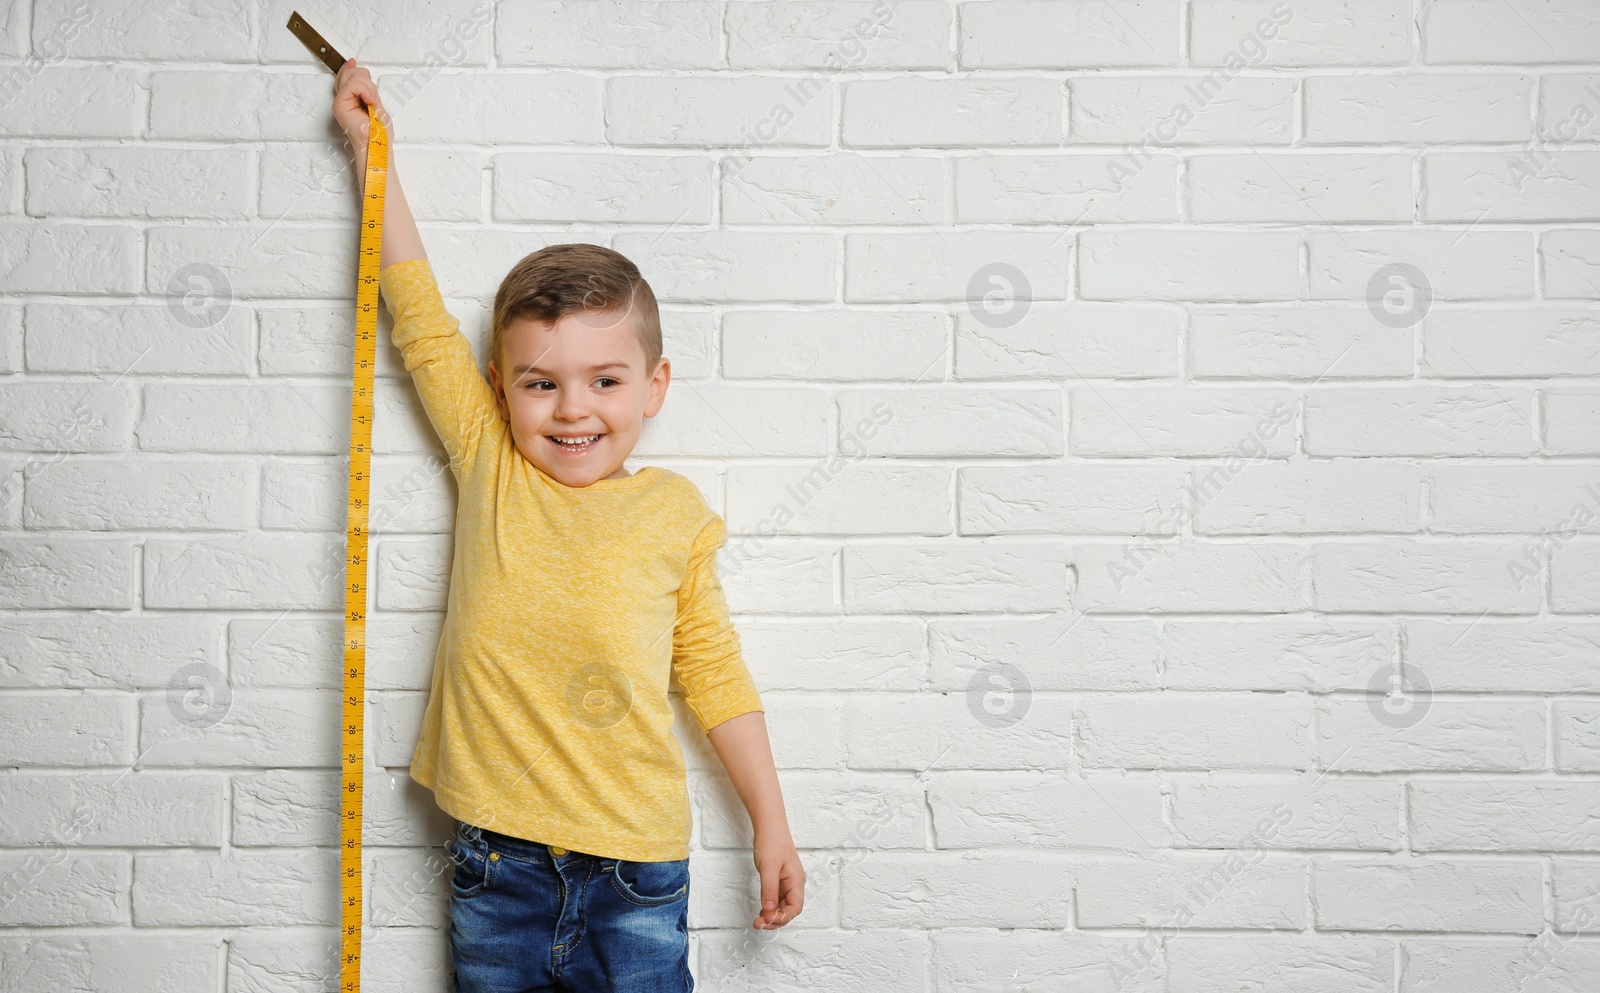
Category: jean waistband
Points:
column 472, row 834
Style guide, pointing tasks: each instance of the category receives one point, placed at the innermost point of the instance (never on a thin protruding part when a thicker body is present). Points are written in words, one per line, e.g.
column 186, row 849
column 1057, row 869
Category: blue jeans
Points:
column 524, row 919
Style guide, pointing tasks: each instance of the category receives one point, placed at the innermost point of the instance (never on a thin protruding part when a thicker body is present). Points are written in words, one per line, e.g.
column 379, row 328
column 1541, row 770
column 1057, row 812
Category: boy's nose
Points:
column 571, row 406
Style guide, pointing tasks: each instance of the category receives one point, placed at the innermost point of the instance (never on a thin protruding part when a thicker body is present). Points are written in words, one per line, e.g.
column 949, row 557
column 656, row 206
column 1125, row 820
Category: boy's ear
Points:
column 499, row 389
column 658, row 387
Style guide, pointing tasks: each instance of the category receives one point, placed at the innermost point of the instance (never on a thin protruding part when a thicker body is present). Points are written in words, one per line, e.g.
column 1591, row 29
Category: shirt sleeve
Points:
column 705, row 647
column 459, row 402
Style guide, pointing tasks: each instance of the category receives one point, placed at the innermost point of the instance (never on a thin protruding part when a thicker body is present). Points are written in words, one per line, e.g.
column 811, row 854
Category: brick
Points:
column 637, row 35
column 1258, row 577
column 731, row 421
column 1474, row 186
column 111, row 964
column 46, row 101
column 1455, row 31
column 104, row 651
column 59, row 888
column 884, row 654
column 1453, row 735
column 1306, row 188
column 66, row 572
column 1308, row 813
column 926, row 731
column 735, row 266
column 1193, row 731
column 67, row 258
column 955, row 578
column 1487, row 816
column 1200, row 109
column 1424, row 421
column 246, row 572
column 1039, row 811
column 838, row 497
column 240, row 889
column 842, row 188
column 1458, row 265
column 1019, row 266
column 271, row 728
column 1535, row 498
column 1056, row 189
column 981, row 890
column 898, row 422
column 1321, row 341
column 295, row 418
column 827, row 809
column 965, row 959
column 1553, row 656
column 1172, row 421
column 1189, row 265
column 1057, row 652
column 1570, row 259
column 1571, row 422
column 1071, row 341
column 1417, row 107
column 732, row 110
column 1009, row 34
column 1301, row 497
column 1208, row 891
column 923, row 111
column 603, row 188
column 1317, row 656
column 1323, row 32
column 147, row 493
column 142, row 339
column 833, row 345
column 1504, row 897
column 113, row 809
column 1445, row 577
column 856, row 34
column 1289, row 963
column 139, row 182
column 66, row 729
column 1547, row 962
column 56, row 417
column 1069, row 499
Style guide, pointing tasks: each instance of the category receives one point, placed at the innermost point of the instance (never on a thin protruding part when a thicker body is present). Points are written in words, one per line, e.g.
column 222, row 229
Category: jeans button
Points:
column 557, row 852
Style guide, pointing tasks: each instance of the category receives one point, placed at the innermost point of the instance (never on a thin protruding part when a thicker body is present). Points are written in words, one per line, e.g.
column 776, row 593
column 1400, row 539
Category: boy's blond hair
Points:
column 562, row 279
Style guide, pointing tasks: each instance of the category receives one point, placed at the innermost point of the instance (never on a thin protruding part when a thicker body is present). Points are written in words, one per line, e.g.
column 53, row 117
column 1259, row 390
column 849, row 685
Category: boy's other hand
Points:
column 783, row 881
column 355, row 91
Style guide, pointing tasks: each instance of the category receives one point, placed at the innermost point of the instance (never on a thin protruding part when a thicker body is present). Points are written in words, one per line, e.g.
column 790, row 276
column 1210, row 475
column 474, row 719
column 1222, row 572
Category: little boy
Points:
column 576, row 588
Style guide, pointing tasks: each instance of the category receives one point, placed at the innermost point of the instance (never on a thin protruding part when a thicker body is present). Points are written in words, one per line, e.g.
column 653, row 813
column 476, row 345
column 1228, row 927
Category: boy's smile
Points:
column 576, row 393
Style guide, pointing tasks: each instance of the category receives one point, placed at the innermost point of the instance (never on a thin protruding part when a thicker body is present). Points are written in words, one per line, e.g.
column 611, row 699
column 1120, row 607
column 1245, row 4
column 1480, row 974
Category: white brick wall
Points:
column 1080, row 480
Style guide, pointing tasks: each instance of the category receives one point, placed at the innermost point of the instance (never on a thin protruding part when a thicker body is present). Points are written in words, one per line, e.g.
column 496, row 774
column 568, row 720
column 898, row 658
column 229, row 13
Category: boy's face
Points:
column 579, row 380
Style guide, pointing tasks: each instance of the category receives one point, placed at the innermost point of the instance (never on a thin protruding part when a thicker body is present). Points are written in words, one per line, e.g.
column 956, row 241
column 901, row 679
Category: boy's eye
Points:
column 605, row 381
column 539, row 384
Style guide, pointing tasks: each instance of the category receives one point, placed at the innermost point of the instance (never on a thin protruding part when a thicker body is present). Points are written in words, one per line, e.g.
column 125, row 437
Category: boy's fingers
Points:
column 769, row 890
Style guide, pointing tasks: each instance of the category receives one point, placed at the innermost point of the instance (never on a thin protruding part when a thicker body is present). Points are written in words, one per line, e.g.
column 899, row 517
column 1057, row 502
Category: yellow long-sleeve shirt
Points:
column 548, row 717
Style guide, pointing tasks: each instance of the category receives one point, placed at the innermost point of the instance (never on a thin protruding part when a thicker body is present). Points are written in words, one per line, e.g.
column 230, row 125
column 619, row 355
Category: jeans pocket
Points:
column 474, row 868
column 651, row 884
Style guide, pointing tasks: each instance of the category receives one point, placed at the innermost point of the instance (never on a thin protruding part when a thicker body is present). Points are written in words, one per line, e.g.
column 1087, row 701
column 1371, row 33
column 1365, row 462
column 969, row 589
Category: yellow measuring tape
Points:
column 352, row 749
column 352, row 725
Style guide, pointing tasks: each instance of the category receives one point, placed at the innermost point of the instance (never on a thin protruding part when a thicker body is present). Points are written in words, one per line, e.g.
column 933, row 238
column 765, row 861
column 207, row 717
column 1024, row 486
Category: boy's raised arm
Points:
column 460, row 404
column 356, row 89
